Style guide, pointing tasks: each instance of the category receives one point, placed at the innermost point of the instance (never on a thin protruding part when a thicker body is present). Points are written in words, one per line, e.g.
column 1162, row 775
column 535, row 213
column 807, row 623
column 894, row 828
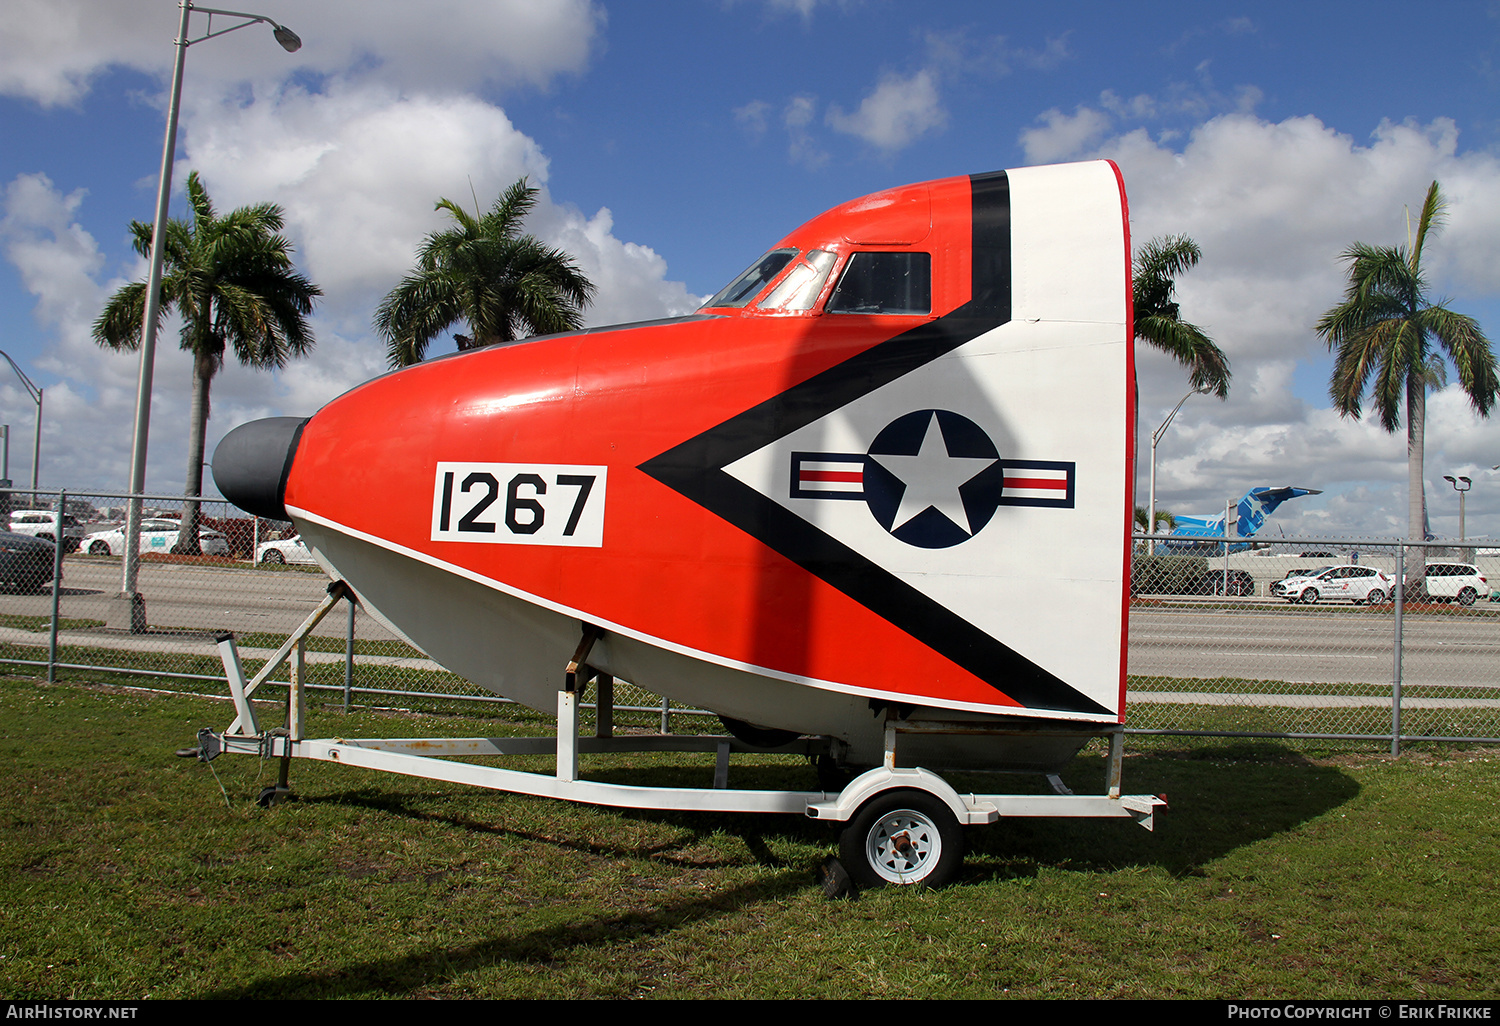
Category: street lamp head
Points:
column 1449, row 479
column 1465, row 480
column 288, row 39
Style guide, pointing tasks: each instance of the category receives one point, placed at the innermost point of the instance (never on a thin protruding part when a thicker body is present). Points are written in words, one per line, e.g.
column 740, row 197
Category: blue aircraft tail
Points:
column 1250, row 516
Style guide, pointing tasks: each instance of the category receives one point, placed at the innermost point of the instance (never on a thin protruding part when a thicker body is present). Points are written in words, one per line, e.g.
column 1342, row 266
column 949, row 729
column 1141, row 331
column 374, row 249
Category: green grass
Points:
column 319, row 643
column 1275, row 874
column 1264, row 604
column 43, row 624
column 1249, row 686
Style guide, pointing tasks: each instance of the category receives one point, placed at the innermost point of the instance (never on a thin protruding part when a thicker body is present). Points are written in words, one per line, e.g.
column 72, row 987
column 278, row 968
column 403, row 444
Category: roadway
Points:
column 1251, row 639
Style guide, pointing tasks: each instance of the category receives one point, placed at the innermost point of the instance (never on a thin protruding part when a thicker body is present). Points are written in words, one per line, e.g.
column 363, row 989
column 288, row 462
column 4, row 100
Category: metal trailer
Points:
column 901, row 825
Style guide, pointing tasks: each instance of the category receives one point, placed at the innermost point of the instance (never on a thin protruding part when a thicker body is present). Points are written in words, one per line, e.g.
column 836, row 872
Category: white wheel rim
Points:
column 903, row 847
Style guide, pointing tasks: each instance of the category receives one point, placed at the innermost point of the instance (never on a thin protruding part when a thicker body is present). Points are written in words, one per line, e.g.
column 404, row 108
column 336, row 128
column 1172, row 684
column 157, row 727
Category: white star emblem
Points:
column 933, row 478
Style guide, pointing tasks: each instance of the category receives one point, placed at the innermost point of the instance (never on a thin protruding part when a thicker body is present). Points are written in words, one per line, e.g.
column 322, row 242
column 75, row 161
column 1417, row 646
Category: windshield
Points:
column 800, row 287
column 748, row 285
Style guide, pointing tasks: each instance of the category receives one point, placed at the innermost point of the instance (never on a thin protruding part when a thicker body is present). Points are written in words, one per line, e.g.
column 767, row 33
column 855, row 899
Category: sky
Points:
column 674, row 141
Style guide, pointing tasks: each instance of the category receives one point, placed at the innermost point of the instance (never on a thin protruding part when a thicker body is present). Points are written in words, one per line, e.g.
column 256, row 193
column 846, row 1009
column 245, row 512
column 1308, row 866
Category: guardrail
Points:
column 1249, row 663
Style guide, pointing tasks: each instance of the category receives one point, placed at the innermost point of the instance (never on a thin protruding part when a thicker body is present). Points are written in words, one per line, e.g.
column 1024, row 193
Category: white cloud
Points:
column 802, row 148
column 1273, row 205
column 630, row 278
column 753, row 117
column 898, row 113
column 1063, row 135
column 52, row 49
column 56, row 257
column 358, row 171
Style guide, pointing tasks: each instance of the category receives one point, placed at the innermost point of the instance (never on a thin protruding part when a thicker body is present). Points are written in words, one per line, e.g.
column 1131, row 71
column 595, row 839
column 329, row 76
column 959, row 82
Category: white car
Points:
column 156, row 536
column 1461, row 581
column 42, row 523
column 1353, row 582
column 287, row 550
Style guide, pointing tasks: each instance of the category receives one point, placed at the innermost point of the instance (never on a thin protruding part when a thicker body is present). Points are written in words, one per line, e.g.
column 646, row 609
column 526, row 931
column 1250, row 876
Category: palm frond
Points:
column 1158, row 319
column 484, row 272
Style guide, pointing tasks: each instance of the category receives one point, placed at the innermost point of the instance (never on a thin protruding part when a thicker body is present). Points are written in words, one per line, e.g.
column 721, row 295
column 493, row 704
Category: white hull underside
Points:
column 519, row 649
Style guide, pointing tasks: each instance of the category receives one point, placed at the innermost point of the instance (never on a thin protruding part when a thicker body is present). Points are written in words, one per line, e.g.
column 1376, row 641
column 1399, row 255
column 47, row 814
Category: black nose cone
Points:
column 251, row 464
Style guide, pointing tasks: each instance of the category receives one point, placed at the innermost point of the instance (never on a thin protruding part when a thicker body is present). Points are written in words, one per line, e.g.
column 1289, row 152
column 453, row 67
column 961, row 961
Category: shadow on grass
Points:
column 1222, row 797
column 548, row 945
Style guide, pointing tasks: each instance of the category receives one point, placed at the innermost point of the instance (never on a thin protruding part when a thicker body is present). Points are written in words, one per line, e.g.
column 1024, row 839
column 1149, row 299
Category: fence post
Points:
column 57, row 552
column 1400, row 590
column 349, row 652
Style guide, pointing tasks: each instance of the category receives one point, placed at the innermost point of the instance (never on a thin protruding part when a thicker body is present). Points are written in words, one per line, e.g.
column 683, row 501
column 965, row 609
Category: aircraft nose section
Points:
column 252, row 462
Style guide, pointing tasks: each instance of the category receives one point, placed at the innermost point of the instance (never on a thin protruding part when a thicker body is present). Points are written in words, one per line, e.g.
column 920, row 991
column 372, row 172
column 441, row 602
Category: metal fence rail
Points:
column 1212, row 650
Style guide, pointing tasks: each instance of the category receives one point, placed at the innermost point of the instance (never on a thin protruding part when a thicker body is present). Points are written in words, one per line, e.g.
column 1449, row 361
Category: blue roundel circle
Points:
column 933, row 479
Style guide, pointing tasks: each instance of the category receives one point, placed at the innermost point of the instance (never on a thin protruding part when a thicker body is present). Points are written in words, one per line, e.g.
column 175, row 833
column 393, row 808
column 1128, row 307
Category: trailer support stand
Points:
column 296, row 715
column 567, row 736
column 1116, row 758
column 244, row 712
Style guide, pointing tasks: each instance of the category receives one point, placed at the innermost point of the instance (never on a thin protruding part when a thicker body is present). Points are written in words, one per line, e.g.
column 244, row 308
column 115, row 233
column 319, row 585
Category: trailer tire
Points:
column 902, row 837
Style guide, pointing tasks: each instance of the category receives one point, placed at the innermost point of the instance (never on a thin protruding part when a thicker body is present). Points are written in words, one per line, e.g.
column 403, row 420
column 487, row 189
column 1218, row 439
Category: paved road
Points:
column 200, row 598
column 1333, row 644
column 1324, row 644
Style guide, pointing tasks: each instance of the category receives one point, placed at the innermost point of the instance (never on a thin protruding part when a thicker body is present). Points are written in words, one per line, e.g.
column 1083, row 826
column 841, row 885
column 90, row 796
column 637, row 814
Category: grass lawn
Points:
column 1277, row 872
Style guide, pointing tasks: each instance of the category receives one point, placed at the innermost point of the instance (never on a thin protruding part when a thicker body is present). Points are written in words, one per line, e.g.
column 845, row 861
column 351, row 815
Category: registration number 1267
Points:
column 519, row 504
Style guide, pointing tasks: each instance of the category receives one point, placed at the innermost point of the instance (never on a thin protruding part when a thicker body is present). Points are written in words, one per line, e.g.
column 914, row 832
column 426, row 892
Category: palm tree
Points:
column 484, row 272
column 1164, row 518
column 232, row 282
column 1157, row 320
column 1381, row 336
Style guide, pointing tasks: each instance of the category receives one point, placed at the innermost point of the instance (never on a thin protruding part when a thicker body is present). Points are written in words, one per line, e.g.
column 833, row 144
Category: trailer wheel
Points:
column 902, row 837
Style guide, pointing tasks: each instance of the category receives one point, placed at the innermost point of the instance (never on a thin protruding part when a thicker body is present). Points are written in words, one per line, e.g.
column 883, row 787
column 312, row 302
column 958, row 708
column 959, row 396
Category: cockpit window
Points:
column 799, row 290
column 748, row 285
column 884, row 283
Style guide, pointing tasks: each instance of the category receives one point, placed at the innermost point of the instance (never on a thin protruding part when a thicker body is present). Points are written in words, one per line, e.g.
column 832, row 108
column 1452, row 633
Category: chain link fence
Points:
column 1303, row 639
column 1316, row 638
column 253, row 578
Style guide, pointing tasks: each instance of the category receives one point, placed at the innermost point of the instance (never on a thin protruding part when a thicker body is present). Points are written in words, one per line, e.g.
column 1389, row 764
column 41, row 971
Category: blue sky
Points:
column 675, row 141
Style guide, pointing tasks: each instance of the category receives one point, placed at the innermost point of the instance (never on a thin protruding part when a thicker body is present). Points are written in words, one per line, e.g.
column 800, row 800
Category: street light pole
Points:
column 1462, row 494
column 130, row 609
column 36, row 441
column 1155, row 438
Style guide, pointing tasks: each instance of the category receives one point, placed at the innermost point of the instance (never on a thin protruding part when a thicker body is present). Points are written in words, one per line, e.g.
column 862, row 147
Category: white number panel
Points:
column 519, row 504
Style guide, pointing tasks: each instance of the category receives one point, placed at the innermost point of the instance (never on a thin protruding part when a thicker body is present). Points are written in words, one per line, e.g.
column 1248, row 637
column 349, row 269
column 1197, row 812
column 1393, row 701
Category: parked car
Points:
column 1304, row 572
column 1461, row 581
column 1240, row 583
column 42, row 523
column 156, row 536
column 1353, row 582
column 25, row 562
column 287, row 550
